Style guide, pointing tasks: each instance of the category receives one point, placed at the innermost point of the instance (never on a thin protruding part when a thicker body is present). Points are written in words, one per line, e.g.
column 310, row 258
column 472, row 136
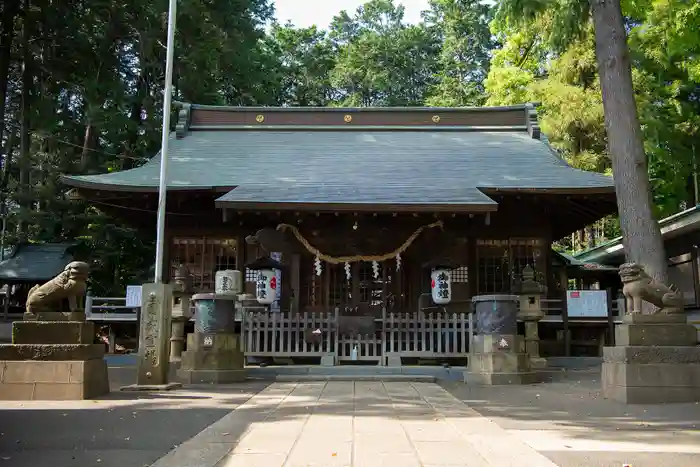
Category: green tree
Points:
column 462, row 27
column 89, row 100
column 382, row 61
column 642, row 237
column 305, row 58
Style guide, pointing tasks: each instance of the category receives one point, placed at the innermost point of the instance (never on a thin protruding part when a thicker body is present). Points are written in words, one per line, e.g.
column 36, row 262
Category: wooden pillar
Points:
column 472, row 267
column 240, row 255
column 398, row 288
column 326, row 281
column 565, row 312
column 385, row 292
column 610, row 338
column 295, row 281
column 354, row 282
column 696, row 273
column 167, row 255
column 6, row 305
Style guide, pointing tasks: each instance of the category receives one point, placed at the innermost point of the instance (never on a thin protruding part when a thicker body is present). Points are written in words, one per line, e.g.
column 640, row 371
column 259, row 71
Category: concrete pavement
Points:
column 570, row 422
column 360, row 424
column 565, row 422
column 119, row 430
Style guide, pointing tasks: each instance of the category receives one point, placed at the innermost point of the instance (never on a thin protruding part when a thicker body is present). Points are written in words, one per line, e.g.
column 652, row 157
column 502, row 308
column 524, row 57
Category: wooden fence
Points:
column 411, row 335
column 109, row 309
column 282, row 335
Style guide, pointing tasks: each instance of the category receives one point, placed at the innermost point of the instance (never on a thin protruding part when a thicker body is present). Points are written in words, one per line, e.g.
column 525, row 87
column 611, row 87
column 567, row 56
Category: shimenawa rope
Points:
column 351, row 259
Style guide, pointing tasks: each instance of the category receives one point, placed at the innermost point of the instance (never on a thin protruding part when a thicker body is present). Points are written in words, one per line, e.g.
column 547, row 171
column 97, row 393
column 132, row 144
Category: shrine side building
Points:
column 481, row 187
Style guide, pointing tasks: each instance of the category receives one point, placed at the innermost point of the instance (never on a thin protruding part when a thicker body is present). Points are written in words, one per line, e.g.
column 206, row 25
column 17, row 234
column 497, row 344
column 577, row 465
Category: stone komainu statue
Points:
column 638, row 286
column 70, row 285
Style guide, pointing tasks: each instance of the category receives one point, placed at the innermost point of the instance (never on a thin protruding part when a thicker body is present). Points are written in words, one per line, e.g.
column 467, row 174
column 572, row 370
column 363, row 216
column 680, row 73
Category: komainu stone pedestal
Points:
column 212, row 358
column 656, row 360
column 499, row 359
column 52, row 360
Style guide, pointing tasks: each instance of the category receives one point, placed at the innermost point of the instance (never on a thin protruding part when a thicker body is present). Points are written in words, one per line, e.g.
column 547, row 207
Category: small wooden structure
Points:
column 27, row 265
column 680, row 234
column 354, row 202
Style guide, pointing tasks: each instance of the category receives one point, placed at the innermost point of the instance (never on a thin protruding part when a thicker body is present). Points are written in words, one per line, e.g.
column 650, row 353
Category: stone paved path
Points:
column 359, row 424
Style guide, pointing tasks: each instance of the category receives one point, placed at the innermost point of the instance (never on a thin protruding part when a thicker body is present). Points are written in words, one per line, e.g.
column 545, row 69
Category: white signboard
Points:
column 587, row 303
column 133, row 295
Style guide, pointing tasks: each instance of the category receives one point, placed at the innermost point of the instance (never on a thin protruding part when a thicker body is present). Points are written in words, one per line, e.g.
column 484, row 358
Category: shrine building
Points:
column 360, row 204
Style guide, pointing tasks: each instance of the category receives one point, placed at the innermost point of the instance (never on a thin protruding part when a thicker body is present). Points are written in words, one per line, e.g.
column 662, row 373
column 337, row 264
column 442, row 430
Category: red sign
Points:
column 573, row 294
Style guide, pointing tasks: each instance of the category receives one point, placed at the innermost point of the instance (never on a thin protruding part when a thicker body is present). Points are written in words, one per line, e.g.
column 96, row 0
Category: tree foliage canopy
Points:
column 81, row 89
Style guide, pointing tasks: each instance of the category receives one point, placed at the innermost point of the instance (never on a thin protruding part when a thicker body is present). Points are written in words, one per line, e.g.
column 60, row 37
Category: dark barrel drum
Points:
column 496, row 314
column 213, row 315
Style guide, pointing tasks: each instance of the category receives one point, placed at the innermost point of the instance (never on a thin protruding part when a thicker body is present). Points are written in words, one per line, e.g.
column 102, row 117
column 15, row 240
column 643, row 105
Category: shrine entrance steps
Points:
column 303, row 373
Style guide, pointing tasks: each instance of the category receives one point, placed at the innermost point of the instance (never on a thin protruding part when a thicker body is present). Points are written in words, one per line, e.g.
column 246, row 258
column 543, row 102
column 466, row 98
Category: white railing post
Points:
column 88, row 305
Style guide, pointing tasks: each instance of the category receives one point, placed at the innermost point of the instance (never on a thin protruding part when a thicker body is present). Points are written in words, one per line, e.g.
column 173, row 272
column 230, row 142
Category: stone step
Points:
column 357, row 377
column 353, row 371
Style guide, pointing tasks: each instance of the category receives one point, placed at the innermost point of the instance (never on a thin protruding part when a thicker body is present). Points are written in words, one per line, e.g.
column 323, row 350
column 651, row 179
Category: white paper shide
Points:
column 441, row 286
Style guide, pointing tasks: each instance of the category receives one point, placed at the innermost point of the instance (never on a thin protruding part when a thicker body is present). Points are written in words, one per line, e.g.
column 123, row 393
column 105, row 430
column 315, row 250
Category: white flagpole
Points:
column 167, row 99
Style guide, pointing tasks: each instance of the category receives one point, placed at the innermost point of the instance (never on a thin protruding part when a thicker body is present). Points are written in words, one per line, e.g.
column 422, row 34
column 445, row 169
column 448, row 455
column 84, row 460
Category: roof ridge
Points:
column 244, row 108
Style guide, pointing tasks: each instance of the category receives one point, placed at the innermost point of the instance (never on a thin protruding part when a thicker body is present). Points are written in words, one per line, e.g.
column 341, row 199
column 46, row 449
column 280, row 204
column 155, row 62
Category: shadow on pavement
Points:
column 570, row 421
column 122, row 429
column 566, row 419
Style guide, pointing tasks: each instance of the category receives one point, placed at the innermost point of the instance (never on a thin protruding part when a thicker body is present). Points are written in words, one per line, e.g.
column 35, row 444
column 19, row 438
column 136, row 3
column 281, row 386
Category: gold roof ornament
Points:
column 260, row 118
column 347, row 118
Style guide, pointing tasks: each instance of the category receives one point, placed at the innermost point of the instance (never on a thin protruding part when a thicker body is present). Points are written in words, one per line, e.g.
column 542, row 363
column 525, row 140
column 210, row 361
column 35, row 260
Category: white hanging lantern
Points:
column 266, row 286
column 441, row 286
column 228, row 282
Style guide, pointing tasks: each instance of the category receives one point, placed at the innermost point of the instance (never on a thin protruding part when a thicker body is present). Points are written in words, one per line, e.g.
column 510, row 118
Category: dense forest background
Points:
column 81, row 91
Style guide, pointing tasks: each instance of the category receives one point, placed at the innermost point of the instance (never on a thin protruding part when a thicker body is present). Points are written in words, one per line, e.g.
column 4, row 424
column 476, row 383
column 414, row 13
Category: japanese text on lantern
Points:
column 225, row 284
column 443, row 287
column 260, row 286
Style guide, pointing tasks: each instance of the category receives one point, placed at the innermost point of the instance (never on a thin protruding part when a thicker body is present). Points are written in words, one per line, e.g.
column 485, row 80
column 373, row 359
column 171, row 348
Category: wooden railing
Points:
column 428, row 335
column 109, row 309
column 280, row 335
column 112, row 309
column 408, row 335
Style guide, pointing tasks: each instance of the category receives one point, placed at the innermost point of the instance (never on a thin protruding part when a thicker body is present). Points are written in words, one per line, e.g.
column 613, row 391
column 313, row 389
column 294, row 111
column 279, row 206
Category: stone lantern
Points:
column 530, row 294
column 182, row 311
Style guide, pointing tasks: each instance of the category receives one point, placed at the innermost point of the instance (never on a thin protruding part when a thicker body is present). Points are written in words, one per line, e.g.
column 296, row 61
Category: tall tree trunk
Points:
column 9, row 11
column 640, row 230
column 87, row 146
column 7, row 165
column 135, row 115
column 24, row 155
column 590, row 236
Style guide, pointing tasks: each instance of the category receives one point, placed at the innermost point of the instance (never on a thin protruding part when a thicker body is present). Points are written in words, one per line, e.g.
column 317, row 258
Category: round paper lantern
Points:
column 266, row 286
column 441, row 286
